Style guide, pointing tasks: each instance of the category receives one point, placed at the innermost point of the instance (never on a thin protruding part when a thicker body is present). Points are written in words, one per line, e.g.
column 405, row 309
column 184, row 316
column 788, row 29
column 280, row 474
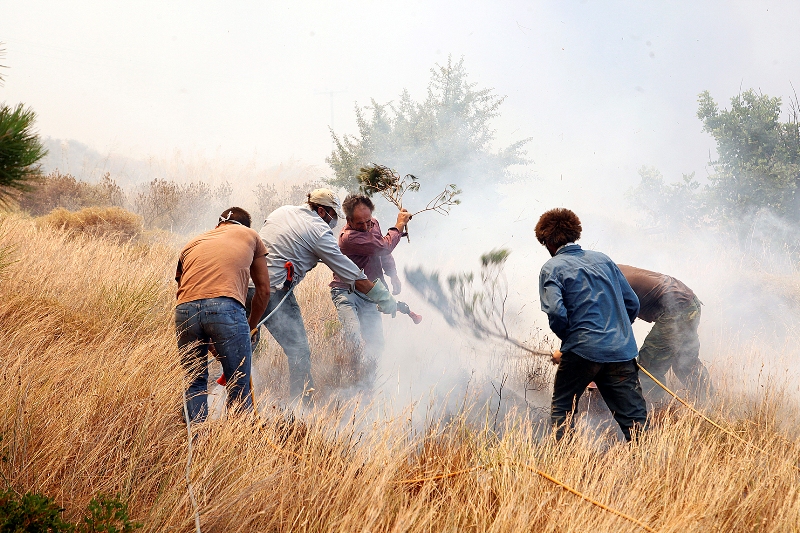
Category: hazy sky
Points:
column 602, row 87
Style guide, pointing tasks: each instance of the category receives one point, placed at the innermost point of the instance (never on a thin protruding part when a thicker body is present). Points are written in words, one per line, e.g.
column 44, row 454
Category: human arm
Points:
column 628, row 296
column 260, row 276
column 552, row 302
column 179, row 272
column 327, row 251
column 390, row 269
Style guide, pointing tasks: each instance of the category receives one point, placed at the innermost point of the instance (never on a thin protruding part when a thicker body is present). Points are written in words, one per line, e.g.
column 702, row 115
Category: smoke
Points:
column 749, row 287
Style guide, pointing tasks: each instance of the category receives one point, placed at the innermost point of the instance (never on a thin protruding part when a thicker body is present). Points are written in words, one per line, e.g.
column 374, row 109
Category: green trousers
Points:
column 673, row 343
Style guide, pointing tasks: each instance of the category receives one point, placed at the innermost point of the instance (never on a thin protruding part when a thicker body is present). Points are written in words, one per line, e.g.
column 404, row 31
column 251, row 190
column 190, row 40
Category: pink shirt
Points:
column 370, row 250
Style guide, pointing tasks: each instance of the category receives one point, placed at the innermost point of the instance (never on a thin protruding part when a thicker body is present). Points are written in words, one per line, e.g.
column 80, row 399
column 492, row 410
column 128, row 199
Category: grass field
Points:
column 91, row 402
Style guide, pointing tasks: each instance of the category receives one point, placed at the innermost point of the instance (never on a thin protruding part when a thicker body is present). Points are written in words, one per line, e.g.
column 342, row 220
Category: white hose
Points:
column 189, row 466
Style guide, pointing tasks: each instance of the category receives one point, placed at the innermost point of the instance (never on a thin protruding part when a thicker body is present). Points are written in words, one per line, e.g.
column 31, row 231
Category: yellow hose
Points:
column 545, row 475
column 704, row 417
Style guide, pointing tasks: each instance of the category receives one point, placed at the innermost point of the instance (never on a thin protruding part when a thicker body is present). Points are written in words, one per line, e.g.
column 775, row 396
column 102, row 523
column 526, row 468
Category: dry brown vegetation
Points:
column 57, row 189
column 113, row 223
column 91, row 401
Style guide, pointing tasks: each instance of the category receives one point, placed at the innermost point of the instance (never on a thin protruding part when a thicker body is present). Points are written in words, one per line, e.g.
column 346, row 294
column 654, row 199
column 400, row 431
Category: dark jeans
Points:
column 673, row 343
column 287, row 327
column 618, row 384
column 223, row 322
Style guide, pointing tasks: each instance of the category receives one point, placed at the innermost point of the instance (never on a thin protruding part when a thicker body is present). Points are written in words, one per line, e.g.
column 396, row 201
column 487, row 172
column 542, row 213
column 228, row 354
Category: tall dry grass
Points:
column 91, row 401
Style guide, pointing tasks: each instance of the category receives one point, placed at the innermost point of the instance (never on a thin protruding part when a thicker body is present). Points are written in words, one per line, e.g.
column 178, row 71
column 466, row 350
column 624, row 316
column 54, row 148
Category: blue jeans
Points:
column 223, row 322
column 287, row 327
column 362, row 326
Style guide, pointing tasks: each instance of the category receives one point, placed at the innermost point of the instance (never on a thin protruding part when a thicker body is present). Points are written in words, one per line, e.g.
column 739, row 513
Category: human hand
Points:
column 385, row 301
column 403, row 216
column 556, row 357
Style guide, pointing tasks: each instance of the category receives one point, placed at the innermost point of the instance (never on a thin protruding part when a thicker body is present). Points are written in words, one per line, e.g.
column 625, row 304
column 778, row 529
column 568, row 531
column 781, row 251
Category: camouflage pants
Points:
column 673, row 343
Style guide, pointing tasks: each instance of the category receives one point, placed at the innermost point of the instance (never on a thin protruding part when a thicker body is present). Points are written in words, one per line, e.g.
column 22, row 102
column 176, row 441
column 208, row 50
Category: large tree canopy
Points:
column 756, row 173
column 758, row 163
column 444, row 139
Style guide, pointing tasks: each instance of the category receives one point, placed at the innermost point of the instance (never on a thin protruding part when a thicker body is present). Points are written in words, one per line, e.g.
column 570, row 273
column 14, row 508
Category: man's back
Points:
column 291, row 233
column 657, row 292
column 589, row 304
column 217, row 263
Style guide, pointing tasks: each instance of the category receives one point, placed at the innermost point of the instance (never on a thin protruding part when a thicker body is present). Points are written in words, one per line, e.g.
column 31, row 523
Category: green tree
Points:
column 444, row 139
column 758, row 163
column 675, row 205
column 20, row 150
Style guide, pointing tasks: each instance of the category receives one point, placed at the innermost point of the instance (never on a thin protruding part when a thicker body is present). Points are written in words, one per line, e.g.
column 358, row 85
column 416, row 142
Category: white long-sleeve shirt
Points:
column 297, row 234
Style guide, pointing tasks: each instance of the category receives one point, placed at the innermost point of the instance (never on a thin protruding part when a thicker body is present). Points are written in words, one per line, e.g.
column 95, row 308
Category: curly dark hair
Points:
column 557, row 227
column 353, row 200
column 236, row 214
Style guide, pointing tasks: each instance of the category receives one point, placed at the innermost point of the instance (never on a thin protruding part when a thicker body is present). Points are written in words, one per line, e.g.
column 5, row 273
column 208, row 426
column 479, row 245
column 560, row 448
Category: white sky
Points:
column 602, row 87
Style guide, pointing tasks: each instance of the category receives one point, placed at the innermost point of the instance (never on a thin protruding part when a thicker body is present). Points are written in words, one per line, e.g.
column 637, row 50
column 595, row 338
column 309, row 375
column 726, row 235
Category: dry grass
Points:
column 113, row 223
column 90, row 401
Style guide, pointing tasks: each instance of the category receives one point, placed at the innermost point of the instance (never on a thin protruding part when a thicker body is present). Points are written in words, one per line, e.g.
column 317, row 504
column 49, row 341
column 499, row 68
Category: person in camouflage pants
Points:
column 673, row 342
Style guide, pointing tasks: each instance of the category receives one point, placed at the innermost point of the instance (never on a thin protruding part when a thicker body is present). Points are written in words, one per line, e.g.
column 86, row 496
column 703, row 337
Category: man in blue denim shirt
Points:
column 590, row 307
column 212, row 275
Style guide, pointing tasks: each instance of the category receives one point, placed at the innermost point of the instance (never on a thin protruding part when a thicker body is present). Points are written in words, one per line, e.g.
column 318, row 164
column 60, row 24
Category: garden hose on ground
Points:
column 704, row 417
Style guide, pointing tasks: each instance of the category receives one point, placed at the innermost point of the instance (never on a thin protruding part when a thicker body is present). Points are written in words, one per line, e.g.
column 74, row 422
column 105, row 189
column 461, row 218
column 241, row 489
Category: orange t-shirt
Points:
column 217, row 263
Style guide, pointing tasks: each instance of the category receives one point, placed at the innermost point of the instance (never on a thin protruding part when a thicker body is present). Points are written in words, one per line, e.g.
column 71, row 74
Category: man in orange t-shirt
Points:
column 213, row 272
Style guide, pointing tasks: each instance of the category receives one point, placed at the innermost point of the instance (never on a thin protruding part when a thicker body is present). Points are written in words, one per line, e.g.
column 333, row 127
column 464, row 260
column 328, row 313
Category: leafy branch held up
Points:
column 388, row 183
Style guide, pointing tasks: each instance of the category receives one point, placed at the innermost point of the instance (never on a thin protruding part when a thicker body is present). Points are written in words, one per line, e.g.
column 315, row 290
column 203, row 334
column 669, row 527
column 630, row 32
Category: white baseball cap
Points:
column 327, row 198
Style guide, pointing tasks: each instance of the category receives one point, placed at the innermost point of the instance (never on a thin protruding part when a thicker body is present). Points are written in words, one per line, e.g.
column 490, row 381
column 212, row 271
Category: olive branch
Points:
column 481, row 310
column 379, row 179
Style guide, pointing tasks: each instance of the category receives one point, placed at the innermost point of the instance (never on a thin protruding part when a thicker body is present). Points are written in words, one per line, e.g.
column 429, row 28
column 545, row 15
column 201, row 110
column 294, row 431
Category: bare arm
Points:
column 364, row 285
column 260, row 275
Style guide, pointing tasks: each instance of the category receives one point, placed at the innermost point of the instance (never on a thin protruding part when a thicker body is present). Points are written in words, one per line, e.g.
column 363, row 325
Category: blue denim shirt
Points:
column 590, row 305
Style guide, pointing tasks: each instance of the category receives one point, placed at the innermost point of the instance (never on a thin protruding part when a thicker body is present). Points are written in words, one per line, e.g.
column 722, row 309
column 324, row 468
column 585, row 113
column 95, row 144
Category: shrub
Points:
column 181, row 208
column 269, row 197
column 109, row 222
column 107, row 515
column 37, row 513
column 63, row 190
column 30, row 512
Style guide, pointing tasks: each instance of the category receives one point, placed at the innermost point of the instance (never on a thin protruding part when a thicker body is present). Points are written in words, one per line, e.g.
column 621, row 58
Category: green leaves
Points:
column 757, row 168
column 446, row 137
column 758, row 163
column 479, row 308
column 379, row 179
column 20, row 150
column 37, row 513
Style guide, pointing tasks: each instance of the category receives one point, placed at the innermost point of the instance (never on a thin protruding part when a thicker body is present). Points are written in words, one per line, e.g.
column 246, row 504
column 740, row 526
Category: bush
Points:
column 107, row 515
column 37, row 513
column 269, row 197
column 109, row 222
column 30, row 512
column 63, row 190
column 185, row 208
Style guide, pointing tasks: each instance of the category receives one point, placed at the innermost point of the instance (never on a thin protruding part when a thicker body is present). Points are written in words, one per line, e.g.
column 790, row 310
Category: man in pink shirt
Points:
column 361, row 240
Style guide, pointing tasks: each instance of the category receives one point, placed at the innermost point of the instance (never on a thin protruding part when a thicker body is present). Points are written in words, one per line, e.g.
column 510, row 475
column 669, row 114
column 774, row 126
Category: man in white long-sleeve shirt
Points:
column 302, row 236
